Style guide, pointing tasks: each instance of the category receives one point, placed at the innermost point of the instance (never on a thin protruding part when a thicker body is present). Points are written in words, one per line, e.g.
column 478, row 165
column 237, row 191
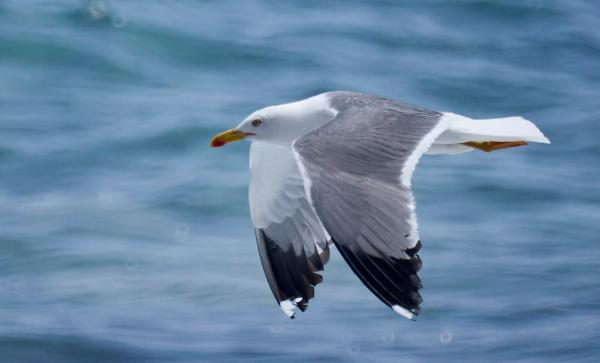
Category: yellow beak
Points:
column 228, row 136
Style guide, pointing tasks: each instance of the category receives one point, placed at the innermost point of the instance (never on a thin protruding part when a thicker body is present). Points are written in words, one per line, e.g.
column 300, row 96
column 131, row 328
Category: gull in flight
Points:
column 336, row 168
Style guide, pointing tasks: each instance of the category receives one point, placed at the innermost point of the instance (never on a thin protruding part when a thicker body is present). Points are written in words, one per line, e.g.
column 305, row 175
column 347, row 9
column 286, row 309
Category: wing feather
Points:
column 357, row 169
column 292, row 243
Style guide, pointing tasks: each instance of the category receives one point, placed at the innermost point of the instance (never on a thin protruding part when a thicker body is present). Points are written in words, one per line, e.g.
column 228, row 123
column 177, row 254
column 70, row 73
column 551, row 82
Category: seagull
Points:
column 336, row 168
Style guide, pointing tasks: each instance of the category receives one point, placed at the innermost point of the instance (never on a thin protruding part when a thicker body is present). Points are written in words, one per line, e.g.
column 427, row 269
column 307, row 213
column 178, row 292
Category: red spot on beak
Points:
column 216, row 142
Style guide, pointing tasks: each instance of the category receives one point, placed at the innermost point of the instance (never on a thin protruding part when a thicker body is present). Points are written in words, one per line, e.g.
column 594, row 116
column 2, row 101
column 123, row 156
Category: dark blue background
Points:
column 124, row 238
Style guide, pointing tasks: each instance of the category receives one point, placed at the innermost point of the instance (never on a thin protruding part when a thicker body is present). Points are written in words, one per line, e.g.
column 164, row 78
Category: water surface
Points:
column 124, row 238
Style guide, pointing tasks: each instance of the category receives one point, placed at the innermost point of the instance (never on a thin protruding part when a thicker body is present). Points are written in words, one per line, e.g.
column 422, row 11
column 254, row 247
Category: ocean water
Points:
column 125, row 238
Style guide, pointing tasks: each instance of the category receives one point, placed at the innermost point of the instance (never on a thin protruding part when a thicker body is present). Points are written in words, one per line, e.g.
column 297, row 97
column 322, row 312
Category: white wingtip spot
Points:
column 288, row 306
column 403, row 312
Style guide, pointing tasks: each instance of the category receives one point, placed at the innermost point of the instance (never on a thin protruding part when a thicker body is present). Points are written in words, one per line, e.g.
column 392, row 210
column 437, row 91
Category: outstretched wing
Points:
column 292, row 243
column 357, row 169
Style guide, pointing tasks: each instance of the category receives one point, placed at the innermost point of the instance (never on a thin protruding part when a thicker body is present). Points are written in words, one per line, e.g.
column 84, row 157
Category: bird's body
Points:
column 336, row 168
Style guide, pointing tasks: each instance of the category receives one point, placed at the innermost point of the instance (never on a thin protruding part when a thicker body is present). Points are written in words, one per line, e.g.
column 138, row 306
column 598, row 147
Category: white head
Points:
column 281, row 124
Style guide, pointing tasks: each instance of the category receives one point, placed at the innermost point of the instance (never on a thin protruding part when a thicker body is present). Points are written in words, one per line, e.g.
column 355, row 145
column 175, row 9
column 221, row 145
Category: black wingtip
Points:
column 393, row 280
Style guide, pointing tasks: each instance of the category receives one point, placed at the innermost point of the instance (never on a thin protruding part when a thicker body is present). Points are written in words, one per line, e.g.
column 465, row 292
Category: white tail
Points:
column 462, row 129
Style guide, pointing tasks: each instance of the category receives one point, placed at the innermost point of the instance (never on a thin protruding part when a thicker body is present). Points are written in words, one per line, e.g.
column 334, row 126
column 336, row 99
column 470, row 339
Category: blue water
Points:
column 124, row 238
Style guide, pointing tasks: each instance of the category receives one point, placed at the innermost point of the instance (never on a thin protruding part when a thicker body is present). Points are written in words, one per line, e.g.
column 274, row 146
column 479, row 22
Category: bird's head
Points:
column 280, row 124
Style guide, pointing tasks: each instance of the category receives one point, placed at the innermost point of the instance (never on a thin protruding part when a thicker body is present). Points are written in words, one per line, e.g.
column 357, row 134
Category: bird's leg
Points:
column 489, row 146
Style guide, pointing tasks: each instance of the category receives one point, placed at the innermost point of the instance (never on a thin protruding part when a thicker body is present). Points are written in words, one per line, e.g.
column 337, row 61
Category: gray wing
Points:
column 358, row 168
column 292, row 243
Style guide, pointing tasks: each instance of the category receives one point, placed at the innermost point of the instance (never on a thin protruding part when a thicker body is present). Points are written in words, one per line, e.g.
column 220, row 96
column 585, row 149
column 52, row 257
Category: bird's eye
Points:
column 256, row 123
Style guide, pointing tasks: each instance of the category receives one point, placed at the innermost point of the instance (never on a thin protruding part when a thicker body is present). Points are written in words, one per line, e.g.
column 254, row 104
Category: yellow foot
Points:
column 488, row 146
